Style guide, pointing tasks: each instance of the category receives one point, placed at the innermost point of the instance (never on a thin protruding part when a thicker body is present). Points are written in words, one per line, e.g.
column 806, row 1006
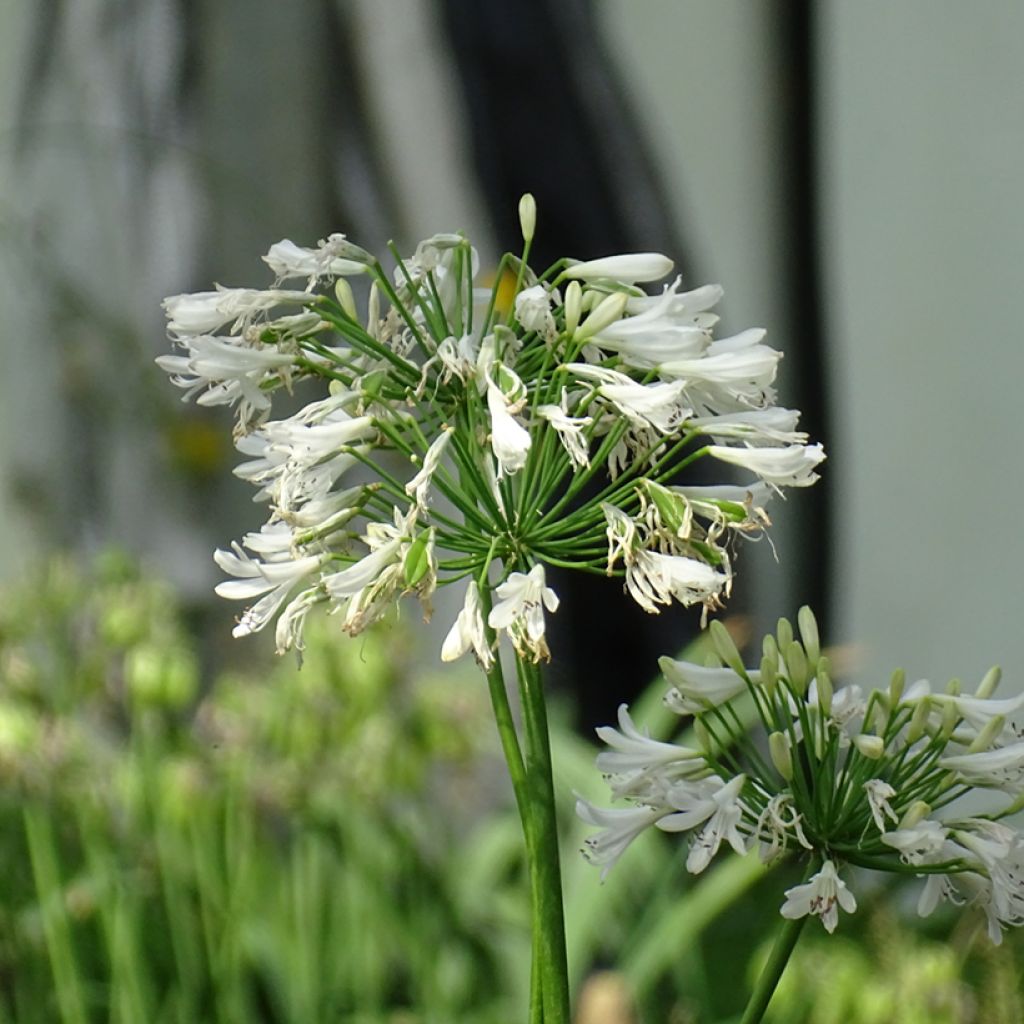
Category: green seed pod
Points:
column 417, row 560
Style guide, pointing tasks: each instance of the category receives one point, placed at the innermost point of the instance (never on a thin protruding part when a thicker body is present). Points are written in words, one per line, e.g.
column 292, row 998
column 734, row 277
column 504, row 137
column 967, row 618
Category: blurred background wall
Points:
column 849, row 172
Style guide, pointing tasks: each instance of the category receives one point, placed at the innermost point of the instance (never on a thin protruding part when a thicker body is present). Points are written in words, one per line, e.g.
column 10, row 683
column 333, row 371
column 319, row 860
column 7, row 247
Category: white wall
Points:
column 922, row 134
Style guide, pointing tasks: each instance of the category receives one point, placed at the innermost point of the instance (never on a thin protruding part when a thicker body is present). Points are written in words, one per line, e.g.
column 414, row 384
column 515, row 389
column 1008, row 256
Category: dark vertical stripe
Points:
column 810, row 561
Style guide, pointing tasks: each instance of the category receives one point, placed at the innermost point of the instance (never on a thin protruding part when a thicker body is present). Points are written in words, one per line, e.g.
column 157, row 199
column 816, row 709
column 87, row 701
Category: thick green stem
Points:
column 549, row 920
column 780, row 954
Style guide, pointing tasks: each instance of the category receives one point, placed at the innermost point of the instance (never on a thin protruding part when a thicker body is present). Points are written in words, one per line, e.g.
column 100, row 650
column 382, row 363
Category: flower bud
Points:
column 784, row 632
column 527, row 216
column 769, row 677
column 809, row 633
column 778, row 748
column 824, row 687
column 418, row 559
column 954, row 687
column 985, row 738
column 573, row 307
column 988, row 685
column 347, row 301
column 916, row 813
column 607, row 312
column 896, row 684
column 950, row 715
column 918, row 720
column 796, row 665
column 726, row 648
column 628, row 267
column 770, row 649
column 872, row 747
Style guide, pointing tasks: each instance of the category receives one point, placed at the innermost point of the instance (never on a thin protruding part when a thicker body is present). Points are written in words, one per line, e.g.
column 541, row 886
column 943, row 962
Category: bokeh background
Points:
column 850, row 172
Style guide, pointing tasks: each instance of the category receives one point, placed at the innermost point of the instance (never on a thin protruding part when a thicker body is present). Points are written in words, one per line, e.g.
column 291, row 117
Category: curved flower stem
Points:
column 548, row 921
column 777, row 960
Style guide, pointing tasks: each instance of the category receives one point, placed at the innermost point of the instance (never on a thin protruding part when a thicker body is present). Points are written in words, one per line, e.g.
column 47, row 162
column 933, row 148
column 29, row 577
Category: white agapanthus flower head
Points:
column 850, row 778
column 546, row 427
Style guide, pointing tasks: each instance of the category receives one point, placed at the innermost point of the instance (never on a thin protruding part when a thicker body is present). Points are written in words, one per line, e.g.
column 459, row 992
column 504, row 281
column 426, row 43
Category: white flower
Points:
column 821, row 896
column 228, row 369
column 776, row 824
column 737, row 371
column 928, row 842
column 879, row 794
column 468, row 632
column 1002, row 767
column 626, row 267
column 420, row 483
column 520, row 610
column 695, row 688
column 533, row 310
column 1001, row 851
column 333, row 257
column 716, row 807
column 275, row 575
column 510, row 441
column 656, row 579
column 205, row 312
column 619, row 827
column 792, row 466
column 569, row 430
column 641, row 766
column 658, row 405
column 754, row 426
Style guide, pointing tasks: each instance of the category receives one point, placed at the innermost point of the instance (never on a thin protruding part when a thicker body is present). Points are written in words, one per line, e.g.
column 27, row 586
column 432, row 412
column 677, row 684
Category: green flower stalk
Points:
column 455, row 435
column 840, row 776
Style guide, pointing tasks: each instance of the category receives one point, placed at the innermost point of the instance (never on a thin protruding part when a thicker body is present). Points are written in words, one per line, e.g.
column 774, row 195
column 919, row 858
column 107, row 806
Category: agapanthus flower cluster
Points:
column 838, row 775
column 458, row 434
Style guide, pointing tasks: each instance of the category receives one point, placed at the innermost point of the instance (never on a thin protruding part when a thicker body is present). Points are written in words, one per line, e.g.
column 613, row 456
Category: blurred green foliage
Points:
column 338, row 844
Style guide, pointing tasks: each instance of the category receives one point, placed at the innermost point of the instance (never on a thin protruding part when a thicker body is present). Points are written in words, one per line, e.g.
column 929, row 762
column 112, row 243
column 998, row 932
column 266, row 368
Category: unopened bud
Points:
column 880, row 710
column 608, row 310
column 726, row 648
column 784, row 632
column 527, row 216
column 824, row 688
column 628, row 267
column 919, row 719
column 770, row 650
column 985, row 738
column 782, row 758
column 897, row 682
column 950, row 716
column 915, row 814
column 347, row 301
column 769, row 677
column 809, row 633
column 796, row 665
column 573, row 307
column 418, row 558
column 872, row 747
column 954, row 687
column 988, row 685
